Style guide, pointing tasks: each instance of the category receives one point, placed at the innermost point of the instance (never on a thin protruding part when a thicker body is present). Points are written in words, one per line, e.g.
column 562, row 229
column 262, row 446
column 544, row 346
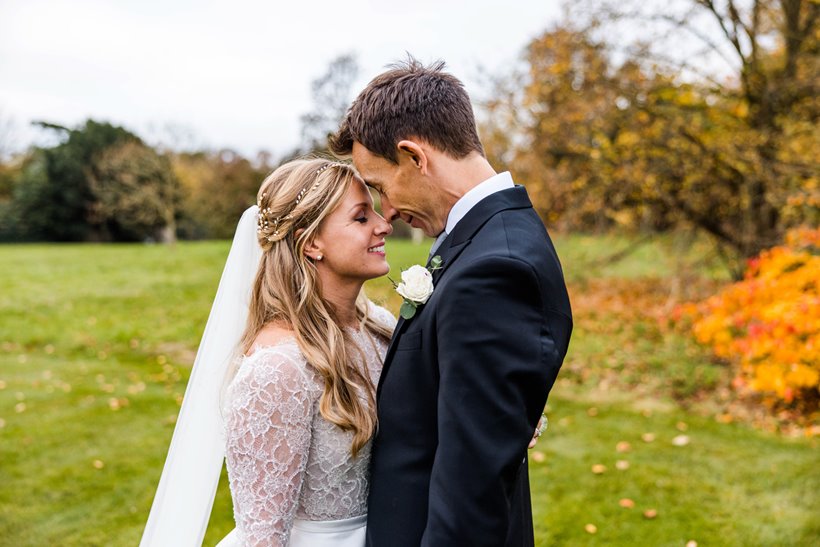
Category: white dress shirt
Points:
column 496, row 183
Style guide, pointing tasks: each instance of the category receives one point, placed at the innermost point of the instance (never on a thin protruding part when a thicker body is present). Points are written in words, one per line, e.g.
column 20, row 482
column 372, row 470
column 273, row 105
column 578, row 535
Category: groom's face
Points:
column 403, row 191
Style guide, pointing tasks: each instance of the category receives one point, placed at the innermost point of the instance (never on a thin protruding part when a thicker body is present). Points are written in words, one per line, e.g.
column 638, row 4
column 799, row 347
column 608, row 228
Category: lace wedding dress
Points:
column 292, row 477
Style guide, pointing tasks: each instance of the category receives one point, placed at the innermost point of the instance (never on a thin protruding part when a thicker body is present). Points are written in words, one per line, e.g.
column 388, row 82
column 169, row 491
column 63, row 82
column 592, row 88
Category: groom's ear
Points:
column 413, row 152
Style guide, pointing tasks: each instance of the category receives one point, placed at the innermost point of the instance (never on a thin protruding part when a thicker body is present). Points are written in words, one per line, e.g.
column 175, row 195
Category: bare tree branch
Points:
column 732, row 37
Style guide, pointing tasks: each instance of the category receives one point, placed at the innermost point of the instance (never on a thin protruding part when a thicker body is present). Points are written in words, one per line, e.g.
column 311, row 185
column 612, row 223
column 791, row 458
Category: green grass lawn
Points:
column 96, row 343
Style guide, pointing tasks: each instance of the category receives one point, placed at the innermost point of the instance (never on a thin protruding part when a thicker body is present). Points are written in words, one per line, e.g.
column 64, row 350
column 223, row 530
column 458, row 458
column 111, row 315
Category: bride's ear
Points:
column 312, row 248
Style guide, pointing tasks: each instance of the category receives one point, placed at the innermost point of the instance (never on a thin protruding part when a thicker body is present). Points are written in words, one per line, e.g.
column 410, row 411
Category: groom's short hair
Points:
column 410, row 101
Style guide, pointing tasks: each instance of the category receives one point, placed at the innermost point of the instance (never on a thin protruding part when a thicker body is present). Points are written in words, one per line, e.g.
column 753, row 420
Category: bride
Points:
column 293, row 350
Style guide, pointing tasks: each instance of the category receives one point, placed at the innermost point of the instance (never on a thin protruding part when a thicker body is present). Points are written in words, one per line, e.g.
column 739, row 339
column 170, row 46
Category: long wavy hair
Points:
column 292, row 200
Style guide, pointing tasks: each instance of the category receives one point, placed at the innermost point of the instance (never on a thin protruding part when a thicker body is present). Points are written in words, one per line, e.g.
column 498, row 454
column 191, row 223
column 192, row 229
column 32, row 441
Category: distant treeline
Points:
column 602, row 133
column 103, row 183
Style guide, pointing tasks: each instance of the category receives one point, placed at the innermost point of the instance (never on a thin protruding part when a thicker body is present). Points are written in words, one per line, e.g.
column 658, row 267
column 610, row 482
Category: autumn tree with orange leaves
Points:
column 651, row 142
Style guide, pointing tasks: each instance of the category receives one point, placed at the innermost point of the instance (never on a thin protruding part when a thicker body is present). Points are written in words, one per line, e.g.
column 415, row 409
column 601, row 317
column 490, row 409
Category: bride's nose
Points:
column 383, row 228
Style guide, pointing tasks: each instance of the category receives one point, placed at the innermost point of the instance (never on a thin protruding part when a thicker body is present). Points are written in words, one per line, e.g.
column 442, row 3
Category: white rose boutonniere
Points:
column 416, row 286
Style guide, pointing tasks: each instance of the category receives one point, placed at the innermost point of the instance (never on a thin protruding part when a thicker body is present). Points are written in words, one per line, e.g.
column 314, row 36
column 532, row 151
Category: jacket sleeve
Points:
column 500, row 345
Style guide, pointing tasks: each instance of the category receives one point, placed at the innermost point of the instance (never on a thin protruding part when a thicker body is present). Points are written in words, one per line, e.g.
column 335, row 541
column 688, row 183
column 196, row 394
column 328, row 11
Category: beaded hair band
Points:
column 262, row 222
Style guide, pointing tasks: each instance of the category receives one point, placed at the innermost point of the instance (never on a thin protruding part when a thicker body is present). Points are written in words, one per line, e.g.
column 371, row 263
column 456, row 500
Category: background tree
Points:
column 216, row 189
column 332, row 95
column 135, row 194
column 53, row 197
column 755, row 134
column 9, row 170
column 647, row 142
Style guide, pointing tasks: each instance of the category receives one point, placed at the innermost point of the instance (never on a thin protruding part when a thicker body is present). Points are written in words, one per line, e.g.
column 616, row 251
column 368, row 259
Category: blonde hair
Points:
column 297, row 197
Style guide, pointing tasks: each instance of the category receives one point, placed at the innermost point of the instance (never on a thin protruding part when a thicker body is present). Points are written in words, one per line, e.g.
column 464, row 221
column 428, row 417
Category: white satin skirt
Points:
column 317, row 533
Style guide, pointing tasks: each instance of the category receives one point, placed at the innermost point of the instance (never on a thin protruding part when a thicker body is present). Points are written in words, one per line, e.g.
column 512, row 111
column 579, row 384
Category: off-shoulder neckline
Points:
column 289, row 339
column 257, row 348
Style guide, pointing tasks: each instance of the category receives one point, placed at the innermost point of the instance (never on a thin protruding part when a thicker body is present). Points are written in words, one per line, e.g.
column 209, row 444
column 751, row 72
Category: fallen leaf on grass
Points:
column 682, row 426
column 680, row 440
column 98, row 464
column 598, row 468
column 592, row 411
column 648, row 437
column 20, row 407
column 691, row 543
column 623, row 446
column 650, row 513
column 139, row 387
column 591, row 528
column 622, row 465
column 537, row 456
column 626, row 503
column 116, row 404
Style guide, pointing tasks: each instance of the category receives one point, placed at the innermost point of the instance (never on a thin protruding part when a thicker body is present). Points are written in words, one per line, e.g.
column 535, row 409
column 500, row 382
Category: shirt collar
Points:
column 496, row 183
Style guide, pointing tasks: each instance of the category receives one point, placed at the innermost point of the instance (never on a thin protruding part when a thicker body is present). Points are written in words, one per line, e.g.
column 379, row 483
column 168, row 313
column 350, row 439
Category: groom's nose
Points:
column 388, row 211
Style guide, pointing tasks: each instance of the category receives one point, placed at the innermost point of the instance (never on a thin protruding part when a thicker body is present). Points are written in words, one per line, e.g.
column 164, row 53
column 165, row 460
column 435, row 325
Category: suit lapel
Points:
column 391, row 349
column 452, row 247
column 467, row 227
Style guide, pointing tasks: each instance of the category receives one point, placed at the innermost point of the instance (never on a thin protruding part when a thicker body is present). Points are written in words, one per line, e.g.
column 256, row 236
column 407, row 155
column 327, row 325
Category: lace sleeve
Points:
column 268, row 433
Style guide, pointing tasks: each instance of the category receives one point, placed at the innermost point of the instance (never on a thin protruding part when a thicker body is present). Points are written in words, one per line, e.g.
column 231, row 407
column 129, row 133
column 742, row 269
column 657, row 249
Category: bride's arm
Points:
column 268, row 437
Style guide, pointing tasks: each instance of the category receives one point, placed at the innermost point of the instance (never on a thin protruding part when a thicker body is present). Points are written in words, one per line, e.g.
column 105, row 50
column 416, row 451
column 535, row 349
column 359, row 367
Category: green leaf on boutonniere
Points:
column 407, row 310
column 435, row 263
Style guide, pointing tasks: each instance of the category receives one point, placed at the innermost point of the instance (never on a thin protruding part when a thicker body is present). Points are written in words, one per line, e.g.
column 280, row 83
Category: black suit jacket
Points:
column 464, row 383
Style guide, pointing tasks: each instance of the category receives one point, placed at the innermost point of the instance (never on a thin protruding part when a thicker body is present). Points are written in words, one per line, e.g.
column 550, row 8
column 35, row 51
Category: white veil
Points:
column 185, row 495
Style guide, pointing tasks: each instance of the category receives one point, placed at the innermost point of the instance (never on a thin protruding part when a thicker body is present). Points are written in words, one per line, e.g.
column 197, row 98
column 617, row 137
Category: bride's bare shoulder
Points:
column 272, row 334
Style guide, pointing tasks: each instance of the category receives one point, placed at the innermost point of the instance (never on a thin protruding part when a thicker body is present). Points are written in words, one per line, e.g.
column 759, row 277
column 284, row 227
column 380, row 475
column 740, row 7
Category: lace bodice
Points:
column 284, row 459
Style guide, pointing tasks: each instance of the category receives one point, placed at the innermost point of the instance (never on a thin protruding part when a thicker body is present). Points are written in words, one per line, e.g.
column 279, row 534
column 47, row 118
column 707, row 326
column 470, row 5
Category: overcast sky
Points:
column 234, row 73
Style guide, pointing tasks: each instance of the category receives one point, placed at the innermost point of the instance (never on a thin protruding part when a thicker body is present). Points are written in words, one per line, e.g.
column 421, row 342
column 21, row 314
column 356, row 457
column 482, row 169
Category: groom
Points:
column 465, row 379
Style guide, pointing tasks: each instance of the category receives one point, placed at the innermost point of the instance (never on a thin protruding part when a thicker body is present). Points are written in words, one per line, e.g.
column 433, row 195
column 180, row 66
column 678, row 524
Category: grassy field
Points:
column 96, row 347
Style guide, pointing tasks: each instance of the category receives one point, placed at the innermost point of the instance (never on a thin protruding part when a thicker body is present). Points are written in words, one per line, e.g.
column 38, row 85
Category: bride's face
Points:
column 351, row 238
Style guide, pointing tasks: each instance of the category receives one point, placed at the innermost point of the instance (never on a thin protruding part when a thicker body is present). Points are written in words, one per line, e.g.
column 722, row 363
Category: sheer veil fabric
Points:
column 185, row 495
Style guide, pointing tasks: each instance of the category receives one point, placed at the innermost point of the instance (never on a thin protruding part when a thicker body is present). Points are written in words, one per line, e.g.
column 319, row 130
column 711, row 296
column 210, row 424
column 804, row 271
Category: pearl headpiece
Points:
column 263, row 221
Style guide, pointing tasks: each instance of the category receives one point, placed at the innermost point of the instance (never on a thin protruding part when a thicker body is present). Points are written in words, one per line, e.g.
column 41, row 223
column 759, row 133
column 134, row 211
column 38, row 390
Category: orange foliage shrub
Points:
column 770, row 321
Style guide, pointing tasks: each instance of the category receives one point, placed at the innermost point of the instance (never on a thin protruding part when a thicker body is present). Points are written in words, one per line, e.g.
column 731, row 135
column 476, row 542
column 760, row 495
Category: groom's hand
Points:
column 539, row 429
